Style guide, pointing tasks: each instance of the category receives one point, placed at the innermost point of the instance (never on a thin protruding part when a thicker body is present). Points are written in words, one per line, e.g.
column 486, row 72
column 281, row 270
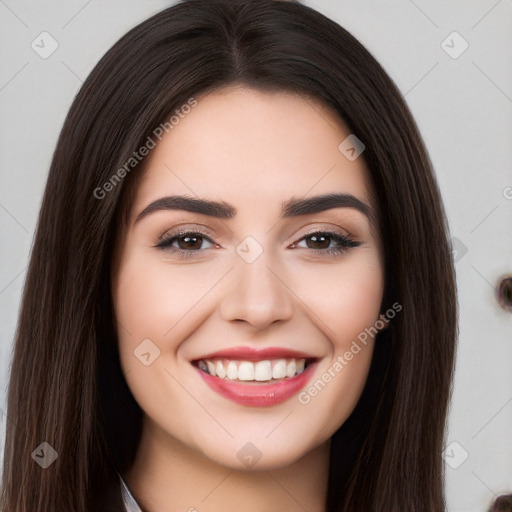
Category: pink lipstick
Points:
column 256, row 377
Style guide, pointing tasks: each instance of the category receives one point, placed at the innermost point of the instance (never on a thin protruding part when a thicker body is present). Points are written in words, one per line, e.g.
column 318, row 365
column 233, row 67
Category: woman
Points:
column 241, row 289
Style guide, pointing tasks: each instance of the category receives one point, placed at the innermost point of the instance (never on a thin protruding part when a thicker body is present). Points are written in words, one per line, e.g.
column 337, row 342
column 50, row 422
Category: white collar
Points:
column 128, row 500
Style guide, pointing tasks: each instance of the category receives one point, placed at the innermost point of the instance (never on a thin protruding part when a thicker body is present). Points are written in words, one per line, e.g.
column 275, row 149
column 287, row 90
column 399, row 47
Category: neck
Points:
column 167, row 476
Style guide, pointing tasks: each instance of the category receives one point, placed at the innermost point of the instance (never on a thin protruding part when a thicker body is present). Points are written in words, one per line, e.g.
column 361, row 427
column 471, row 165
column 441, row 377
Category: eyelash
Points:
column 344, row 241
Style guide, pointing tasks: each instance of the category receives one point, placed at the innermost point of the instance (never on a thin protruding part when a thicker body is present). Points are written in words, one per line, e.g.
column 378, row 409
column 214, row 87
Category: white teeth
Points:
column 246, row 371
column 260, row 371
column 279, row 370
column 219, row 368
column 211, row 368
column 291, row 368
column 232, row 371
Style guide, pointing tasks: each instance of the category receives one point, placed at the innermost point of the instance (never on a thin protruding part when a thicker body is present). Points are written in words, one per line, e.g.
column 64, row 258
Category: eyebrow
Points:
column 293, row 207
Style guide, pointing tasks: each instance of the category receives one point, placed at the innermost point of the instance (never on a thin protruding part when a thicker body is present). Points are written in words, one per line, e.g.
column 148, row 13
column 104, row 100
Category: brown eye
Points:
column 190, row 242
column 320, row 242
column 187, row 242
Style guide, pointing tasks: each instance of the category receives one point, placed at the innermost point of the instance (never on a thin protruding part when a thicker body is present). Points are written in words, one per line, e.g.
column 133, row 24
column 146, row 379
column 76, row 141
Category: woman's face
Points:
column 220, row 307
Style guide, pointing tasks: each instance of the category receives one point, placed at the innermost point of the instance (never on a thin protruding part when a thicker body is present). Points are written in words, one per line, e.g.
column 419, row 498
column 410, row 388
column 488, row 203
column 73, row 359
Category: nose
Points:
column 257, row 294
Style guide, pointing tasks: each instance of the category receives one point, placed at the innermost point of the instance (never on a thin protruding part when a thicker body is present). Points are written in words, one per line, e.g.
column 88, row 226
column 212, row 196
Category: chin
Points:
column 257, row 453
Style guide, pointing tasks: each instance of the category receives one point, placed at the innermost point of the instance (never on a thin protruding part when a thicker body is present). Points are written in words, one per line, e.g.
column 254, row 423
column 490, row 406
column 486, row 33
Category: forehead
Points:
column 252, row 147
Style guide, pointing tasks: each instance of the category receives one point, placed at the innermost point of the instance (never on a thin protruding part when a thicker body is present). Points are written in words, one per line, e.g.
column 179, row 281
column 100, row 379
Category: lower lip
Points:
column 258, row 395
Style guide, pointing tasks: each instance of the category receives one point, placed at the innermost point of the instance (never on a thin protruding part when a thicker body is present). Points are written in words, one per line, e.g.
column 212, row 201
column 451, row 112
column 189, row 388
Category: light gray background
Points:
column 462, row 105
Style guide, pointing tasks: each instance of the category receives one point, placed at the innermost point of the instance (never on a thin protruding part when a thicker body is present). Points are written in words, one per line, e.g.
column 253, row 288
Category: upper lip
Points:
column 256, row 354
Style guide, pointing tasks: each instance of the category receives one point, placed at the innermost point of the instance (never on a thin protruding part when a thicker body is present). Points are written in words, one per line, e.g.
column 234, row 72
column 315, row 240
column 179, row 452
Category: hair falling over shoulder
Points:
column 66, row 386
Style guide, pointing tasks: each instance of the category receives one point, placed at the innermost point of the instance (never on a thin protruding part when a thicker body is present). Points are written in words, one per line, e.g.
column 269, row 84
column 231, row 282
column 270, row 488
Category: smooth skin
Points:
column 254, row 150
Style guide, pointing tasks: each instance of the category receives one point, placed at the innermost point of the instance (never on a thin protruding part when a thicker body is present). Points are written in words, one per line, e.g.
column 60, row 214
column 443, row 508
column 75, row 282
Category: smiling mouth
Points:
column 266, row 371
column 256, row 377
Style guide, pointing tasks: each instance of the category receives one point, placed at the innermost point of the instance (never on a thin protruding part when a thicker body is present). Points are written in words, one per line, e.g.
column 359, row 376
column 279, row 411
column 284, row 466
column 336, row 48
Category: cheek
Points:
column 345, row 297
column 331, row 397
column 346, row 301
column 151, row 302
column 162, row 303
column 151, row 297
column 146, row 307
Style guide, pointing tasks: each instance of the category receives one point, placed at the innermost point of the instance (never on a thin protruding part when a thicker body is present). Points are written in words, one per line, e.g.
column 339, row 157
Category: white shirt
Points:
column 129, row 502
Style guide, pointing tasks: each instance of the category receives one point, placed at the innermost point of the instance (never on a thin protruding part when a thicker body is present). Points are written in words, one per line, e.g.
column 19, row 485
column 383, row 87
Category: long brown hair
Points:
column 66, row 385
